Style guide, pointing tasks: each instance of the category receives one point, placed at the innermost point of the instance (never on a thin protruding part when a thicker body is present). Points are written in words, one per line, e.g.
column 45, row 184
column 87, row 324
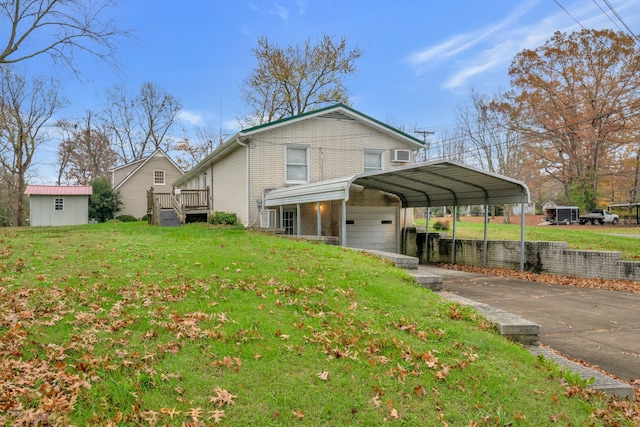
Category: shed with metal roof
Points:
column 54, row 205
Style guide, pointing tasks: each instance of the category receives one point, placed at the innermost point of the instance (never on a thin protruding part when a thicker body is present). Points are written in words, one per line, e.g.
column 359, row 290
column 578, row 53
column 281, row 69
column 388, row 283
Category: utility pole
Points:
column 424, row 134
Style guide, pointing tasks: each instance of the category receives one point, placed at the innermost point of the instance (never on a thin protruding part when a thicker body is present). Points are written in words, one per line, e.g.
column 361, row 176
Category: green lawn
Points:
column 128, row 324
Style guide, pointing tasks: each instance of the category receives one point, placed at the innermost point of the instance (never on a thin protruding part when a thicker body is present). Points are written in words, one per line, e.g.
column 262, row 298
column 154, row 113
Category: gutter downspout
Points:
column 247, row 177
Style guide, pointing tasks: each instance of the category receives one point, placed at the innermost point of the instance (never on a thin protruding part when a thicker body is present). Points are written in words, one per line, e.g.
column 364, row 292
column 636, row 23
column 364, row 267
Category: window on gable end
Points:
column 297, row 164
column 372, row 160
column 158, row 177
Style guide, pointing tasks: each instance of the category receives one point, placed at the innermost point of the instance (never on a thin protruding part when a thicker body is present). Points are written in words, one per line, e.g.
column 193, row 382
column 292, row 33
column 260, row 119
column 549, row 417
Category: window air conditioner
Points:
column 268, row 218
column 400, row 156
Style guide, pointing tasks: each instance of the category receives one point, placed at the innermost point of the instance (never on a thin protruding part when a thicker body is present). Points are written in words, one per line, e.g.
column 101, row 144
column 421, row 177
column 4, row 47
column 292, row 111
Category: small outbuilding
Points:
column 51, row 205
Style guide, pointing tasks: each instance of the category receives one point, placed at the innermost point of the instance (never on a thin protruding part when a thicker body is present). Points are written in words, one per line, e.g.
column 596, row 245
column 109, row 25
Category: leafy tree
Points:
column 85, row 153
column 288, row 82
column 105, row 201
column 139, row 125
column 58, row 28
column 575, row 99
column 25, row 108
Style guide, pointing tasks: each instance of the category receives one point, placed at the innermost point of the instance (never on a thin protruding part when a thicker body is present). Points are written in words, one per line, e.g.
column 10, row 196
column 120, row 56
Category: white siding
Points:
column 42, row 212
column 134, row 190
column 230, row 184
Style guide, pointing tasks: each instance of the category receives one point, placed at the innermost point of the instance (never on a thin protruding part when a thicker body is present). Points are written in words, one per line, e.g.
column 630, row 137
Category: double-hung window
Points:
column 372, row 160
column 58, row 204
column 158, row 177
column 297, row 164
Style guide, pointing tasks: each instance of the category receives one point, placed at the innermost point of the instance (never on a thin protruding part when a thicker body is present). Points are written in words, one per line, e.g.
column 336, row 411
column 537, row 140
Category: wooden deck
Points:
column 182, row 202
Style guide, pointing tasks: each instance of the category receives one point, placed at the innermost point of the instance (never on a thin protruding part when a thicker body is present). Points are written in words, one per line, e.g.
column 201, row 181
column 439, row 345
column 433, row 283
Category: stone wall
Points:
column 540, row 257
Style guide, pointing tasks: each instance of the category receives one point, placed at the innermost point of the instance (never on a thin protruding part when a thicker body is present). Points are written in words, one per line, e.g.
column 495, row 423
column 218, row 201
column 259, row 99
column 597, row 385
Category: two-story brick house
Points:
column 309, row 151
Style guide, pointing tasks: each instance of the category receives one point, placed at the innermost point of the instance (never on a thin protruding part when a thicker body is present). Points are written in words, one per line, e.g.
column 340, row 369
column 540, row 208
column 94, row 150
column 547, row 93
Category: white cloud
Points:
column 460, row 43
column 189, row 117
column 281, row 11
column 496, row 45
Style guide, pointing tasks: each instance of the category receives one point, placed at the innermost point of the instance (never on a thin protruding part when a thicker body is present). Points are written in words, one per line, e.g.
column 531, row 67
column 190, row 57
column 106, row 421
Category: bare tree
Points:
column 86, row 153
column 58, row 28
column 494, row 143
column 139, row 125
column 25, row 108
column 290, row 81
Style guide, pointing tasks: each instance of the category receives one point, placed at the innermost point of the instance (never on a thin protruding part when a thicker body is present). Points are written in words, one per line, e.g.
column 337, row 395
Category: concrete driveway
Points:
column 597, row 326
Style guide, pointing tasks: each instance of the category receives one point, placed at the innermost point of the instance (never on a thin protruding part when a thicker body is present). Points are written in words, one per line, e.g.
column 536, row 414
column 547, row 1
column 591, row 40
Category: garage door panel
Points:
column 372, row 228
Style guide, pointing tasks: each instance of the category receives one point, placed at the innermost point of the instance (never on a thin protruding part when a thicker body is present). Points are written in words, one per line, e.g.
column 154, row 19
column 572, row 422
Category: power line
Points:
column 567, row 12
column 615, row 12
column 607, row 15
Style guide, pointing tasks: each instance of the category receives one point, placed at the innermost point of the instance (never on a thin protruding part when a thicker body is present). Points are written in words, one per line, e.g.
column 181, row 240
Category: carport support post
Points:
column 319, row 219
column 344, row 222
column 404, row 234
column 522, row 233
column 453, row 242
column 484, row 243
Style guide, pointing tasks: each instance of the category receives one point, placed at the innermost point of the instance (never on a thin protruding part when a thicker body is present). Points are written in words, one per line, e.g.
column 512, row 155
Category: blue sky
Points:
column 420, row 58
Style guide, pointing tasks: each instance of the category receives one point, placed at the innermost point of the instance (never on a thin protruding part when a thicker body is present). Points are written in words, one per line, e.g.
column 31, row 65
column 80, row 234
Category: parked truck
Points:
column 599, row 216
column 571, row 214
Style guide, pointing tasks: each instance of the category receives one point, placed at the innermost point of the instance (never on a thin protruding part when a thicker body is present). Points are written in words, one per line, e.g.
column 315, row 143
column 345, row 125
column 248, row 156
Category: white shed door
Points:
column 372, row 228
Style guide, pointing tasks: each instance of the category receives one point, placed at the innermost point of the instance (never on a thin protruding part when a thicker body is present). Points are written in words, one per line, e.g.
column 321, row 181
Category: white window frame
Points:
column 155, row 176
column 366, row 168
column 58, row 204
column 286, row 164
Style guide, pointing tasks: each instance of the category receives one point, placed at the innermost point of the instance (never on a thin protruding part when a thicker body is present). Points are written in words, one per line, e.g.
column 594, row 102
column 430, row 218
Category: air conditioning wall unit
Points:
column 268, row 218
column 403, row 156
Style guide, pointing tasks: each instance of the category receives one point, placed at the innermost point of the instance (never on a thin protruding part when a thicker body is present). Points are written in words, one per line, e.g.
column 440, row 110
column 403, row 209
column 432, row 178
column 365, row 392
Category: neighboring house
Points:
column 529, row 208
column 134, row 179
column 58, row 205
column 314, row 147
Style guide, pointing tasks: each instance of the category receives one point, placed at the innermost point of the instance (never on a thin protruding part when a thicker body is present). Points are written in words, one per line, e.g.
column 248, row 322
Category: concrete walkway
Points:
column 599, row 327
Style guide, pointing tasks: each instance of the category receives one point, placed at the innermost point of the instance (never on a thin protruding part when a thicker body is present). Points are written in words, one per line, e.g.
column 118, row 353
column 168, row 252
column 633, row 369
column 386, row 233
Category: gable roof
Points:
column 336, row 111
column 142, row 163
column 58, row 190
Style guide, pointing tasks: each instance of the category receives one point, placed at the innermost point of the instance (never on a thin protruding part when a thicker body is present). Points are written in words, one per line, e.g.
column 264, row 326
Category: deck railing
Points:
column 180, row 201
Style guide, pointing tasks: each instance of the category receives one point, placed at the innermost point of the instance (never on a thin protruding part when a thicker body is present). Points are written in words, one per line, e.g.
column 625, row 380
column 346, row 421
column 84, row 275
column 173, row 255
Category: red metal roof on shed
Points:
column 56, row 190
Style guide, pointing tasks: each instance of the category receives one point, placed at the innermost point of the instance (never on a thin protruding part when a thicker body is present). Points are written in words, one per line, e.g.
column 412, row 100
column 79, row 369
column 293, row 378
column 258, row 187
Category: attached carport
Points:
column 437, row 183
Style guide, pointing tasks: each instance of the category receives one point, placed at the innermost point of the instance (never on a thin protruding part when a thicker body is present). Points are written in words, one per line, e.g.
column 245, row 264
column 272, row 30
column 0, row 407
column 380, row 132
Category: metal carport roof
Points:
column 437, row 183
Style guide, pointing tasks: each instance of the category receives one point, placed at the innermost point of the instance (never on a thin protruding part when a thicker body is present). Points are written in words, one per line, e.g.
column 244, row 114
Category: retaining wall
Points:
column 540, row 257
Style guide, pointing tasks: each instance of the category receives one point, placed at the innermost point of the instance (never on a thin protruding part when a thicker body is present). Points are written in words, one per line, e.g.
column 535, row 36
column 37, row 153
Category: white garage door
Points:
column 372, row 228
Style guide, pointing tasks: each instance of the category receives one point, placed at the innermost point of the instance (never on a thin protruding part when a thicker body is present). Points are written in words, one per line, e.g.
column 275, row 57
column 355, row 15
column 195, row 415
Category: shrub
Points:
column 223, row 218
column 441, row 225
column 475, row 211
column 126, row 218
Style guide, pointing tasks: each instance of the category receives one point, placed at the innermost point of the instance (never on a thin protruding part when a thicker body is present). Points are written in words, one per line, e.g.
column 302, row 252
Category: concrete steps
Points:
column 409, row 263
column 168, row 218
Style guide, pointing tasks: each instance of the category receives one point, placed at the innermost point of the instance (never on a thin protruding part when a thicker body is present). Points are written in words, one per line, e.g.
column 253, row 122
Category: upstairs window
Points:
column 297, row 164
column 372, row 160
column 158, row 177
column 58, row 204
